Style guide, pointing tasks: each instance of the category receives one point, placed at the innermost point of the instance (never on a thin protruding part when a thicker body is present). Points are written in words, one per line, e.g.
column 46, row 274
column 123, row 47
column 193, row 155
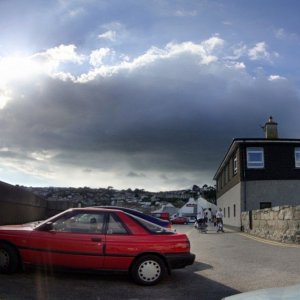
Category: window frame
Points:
column 150, row 227
column 235, row 165
column 113, row 219
column 78, row 222
column 297, row 160
column 255, row 164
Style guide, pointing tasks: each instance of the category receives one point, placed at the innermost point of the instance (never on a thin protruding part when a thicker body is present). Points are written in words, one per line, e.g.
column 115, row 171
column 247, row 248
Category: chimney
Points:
column 270, row 129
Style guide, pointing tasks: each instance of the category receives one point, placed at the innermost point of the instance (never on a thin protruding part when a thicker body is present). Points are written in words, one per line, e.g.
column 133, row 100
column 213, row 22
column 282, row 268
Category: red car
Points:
column 96, row 239
column 161, row 215
column 179, row 220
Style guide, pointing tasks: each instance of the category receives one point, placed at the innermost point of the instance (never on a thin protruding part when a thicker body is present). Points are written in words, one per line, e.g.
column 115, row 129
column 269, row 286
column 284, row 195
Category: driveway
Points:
column 225, row 264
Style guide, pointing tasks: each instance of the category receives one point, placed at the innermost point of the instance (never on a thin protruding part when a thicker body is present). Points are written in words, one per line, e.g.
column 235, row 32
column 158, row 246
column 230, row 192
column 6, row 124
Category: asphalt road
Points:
column 225, row 264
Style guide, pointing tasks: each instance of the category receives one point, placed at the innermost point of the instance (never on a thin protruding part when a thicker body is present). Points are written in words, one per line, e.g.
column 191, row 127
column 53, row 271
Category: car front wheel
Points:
column 148, row 270
column 9, row 260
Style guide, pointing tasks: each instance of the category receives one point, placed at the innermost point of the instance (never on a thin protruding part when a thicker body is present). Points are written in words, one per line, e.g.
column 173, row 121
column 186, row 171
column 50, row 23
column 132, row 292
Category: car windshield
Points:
column 34, row 224
column 151, row 227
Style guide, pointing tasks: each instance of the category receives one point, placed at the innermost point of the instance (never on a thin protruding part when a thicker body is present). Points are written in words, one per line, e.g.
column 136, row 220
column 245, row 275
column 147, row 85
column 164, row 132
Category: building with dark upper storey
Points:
column 258, row 173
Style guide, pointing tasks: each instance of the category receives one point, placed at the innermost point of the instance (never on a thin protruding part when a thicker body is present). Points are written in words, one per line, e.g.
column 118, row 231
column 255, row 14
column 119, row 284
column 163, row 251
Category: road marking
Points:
column 269, row 242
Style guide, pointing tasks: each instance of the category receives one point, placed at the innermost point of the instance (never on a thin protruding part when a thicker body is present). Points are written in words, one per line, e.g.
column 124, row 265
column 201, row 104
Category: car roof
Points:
column 138, row 214
column 93, row 208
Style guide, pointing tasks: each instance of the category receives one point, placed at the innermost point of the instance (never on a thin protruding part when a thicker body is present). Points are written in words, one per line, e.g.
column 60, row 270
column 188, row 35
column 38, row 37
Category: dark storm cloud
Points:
column 173, row 115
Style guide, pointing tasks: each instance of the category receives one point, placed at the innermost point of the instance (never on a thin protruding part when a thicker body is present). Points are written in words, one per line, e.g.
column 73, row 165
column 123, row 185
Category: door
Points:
column 73, row 240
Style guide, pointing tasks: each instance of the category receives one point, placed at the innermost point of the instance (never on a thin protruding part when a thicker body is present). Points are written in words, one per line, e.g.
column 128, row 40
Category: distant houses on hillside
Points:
column 24, row 204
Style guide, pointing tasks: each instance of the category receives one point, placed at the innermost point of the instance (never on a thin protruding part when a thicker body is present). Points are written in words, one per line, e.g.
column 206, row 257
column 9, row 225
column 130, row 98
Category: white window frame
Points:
column 235, row 165
column 255, row 164
column 297, row 157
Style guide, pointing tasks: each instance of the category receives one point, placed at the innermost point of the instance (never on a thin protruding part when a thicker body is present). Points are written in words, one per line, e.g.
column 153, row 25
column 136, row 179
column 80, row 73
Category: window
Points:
column 235, row 167
column 115, row 226
column 225, row 175
column 234, row 210
column 255, row 158
column 151, row 227
column 80, row 223
column 297, row 157
column 224, row 212
column 228, row 212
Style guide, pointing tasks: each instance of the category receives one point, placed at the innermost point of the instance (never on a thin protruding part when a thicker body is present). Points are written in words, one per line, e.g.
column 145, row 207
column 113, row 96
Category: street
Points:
column 225, row 264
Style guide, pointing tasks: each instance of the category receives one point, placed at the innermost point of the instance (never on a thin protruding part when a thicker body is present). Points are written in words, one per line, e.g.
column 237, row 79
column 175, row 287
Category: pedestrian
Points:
column 219, row 216
column 209, row 215
column 214, row 219
column 200, row 216
column 205, row 218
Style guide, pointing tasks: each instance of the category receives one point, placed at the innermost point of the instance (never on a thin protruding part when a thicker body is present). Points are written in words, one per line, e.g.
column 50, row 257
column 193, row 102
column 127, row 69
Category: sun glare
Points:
column 17, row 67
column 5, row 95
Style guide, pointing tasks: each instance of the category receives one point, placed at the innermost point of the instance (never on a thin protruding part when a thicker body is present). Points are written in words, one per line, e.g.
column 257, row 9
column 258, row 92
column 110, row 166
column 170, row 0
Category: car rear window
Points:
column 151, row 227
column 115, row 226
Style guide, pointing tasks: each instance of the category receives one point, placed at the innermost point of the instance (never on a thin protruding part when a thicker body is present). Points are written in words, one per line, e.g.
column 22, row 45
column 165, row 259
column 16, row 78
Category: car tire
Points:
column 9, row 259
column 148, row 270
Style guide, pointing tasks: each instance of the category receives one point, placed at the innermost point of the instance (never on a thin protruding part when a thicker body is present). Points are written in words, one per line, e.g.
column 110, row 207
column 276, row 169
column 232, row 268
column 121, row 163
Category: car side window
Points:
column 115, row 226
column 80, row 223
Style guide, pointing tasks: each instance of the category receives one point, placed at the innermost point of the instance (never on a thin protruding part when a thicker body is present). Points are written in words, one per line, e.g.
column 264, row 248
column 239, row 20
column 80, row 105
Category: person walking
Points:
column 219, row 216
column 209, row 215
column 200, row 216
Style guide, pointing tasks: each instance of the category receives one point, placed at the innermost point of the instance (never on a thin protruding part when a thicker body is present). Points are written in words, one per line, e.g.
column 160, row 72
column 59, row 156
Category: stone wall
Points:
column 18, row 206
column 280, row 223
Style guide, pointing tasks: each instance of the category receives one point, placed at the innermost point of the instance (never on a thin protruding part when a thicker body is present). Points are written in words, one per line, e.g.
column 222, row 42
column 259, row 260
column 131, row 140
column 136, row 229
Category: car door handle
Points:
column 96, row 240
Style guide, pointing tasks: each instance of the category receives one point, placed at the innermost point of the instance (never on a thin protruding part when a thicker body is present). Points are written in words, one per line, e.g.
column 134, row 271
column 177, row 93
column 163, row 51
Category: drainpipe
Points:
column 244, row 176
column 245, row 186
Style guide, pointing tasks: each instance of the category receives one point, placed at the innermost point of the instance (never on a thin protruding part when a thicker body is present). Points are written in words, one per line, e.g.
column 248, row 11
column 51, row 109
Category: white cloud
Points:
column 260, row 52
column 53, row 57
column 110, row 35
column 282, row 34
column 185, row 13
column 112, row 31
column 238, row 51
column 64, row 53
column 276, row 77
column 17, row 67
column 204, row 52
column 48, row 63
column 236, row 65
column 212, row 43
column 63, row 76
column 97, row 56
column 147, row 115
column 5, row 96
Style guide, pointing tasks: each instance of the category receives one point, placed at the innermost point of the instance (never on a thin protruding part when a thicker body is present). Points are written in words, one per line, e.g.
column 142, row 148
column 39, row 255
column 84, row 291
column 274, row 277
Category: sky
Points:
column 144, row 94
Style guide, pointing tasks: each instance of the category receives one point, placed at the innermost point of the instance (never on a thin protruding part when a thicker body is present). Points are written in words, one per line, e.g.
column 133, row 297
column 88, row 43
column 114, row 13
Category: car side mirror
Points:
column 47, row 227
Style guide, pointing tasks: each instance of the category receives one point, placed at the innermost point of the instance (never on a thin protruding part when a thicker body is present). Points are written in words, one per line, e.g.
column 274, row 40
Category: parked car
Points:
column 155, row 220
column 161, row 215
column 96, row 239
column 192, row 219
column 179, row 220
